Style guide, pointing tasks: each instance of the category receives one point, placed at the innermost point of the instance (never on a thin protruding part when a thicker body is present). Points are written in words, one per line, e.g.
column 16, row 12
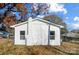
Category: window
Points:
column 52, row 35
column 22, row 35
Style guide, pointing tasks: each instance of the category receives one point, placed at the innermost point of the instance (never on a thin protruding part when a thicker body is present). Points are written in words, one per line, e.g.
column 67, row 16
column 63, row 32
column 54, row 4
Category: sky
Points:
column 72, row 16
column 69, row 12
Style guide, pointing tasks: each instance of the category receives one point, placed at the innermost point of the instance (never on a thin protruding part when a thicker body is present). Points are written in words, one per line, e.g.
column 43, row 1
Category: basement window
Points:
column 22, row 35
column 52, row 35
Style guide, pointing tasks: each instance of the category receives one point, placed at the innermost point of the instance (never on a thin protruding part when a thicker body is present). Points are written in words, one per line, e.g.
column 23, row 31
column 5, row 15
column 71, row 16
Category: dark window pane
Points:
column 22, row 35
column 52, row 35
column 52, row 32
column 22, row 32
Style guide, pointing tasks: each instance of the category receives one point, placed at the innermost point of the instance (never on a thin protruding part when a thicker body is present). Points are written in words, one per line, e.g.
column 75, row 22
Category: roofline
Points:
column 19, row 24
column 40, row 19
column 50, row 22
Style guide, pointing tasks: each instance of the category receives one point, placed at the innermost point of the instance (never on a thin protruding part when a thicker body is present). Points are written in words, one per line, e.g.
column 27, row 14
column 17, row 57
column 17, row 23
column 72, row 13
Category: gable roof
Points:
column 39, row 19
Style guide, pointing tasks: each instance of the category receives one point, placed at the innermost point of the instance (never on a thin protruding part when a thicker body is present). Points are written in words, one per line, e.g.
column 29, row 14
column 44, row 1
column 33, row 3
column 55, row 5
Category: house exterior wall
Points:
column 57, row 40
column 38, row 33
column 17, row 40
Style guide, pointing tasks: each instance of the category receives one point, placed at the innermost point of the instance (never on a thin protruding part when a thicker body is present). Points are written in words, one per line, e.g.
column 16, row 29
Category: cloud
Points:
column 67, row 17
column 75, row 26
column 54, row 7
column 76, row 18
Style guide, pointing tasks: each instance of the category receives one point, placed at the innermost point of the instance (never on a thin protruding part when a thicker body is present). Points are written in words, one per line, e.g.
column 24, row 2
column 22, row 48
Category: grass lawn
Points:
column 8, row 48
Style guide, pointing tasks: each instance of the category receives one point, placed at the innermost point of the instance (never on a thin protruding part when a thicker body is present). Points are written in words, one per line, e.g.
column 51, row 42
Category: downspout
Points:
column 27, row 34
column 48, row 34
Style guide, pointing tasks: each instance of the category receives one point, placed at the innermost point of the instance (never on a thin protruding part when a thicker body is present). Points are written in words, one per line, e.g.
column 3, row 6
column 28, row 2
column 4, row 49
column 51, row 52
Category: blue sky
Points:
column 69, row 12
column 72, row 16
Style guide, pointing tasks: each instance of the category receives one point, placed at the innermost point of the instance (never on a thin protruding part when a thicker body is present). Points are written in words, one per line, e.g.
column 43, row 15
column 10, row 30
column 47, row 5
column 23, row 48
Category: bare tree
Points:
column 39, row 9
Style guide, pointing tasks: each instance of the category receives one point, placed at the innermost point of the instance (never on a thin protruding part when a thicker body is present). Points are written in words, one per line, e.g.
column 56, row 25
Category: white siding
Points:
column 17, row 40
column 38, row 33
column 57, row 40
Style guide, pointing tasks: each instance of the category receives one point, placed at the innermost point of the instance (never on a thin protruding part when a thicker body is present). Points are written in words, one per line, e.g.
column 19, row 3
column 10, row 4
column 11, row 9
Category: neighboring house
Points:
column 70, row 36
column 37, row 32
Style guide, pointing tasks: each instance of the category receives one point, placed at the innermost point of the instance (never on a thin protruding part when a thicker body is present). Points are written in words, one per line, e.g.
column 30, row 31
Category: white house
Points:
column 37, row 32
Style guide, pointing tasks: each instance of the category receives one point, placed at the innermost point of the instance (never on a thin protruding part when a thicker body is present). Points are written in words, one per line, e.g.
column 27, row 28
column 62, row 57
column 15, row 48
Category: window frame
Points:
column 52, row 35
column 22, row 35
